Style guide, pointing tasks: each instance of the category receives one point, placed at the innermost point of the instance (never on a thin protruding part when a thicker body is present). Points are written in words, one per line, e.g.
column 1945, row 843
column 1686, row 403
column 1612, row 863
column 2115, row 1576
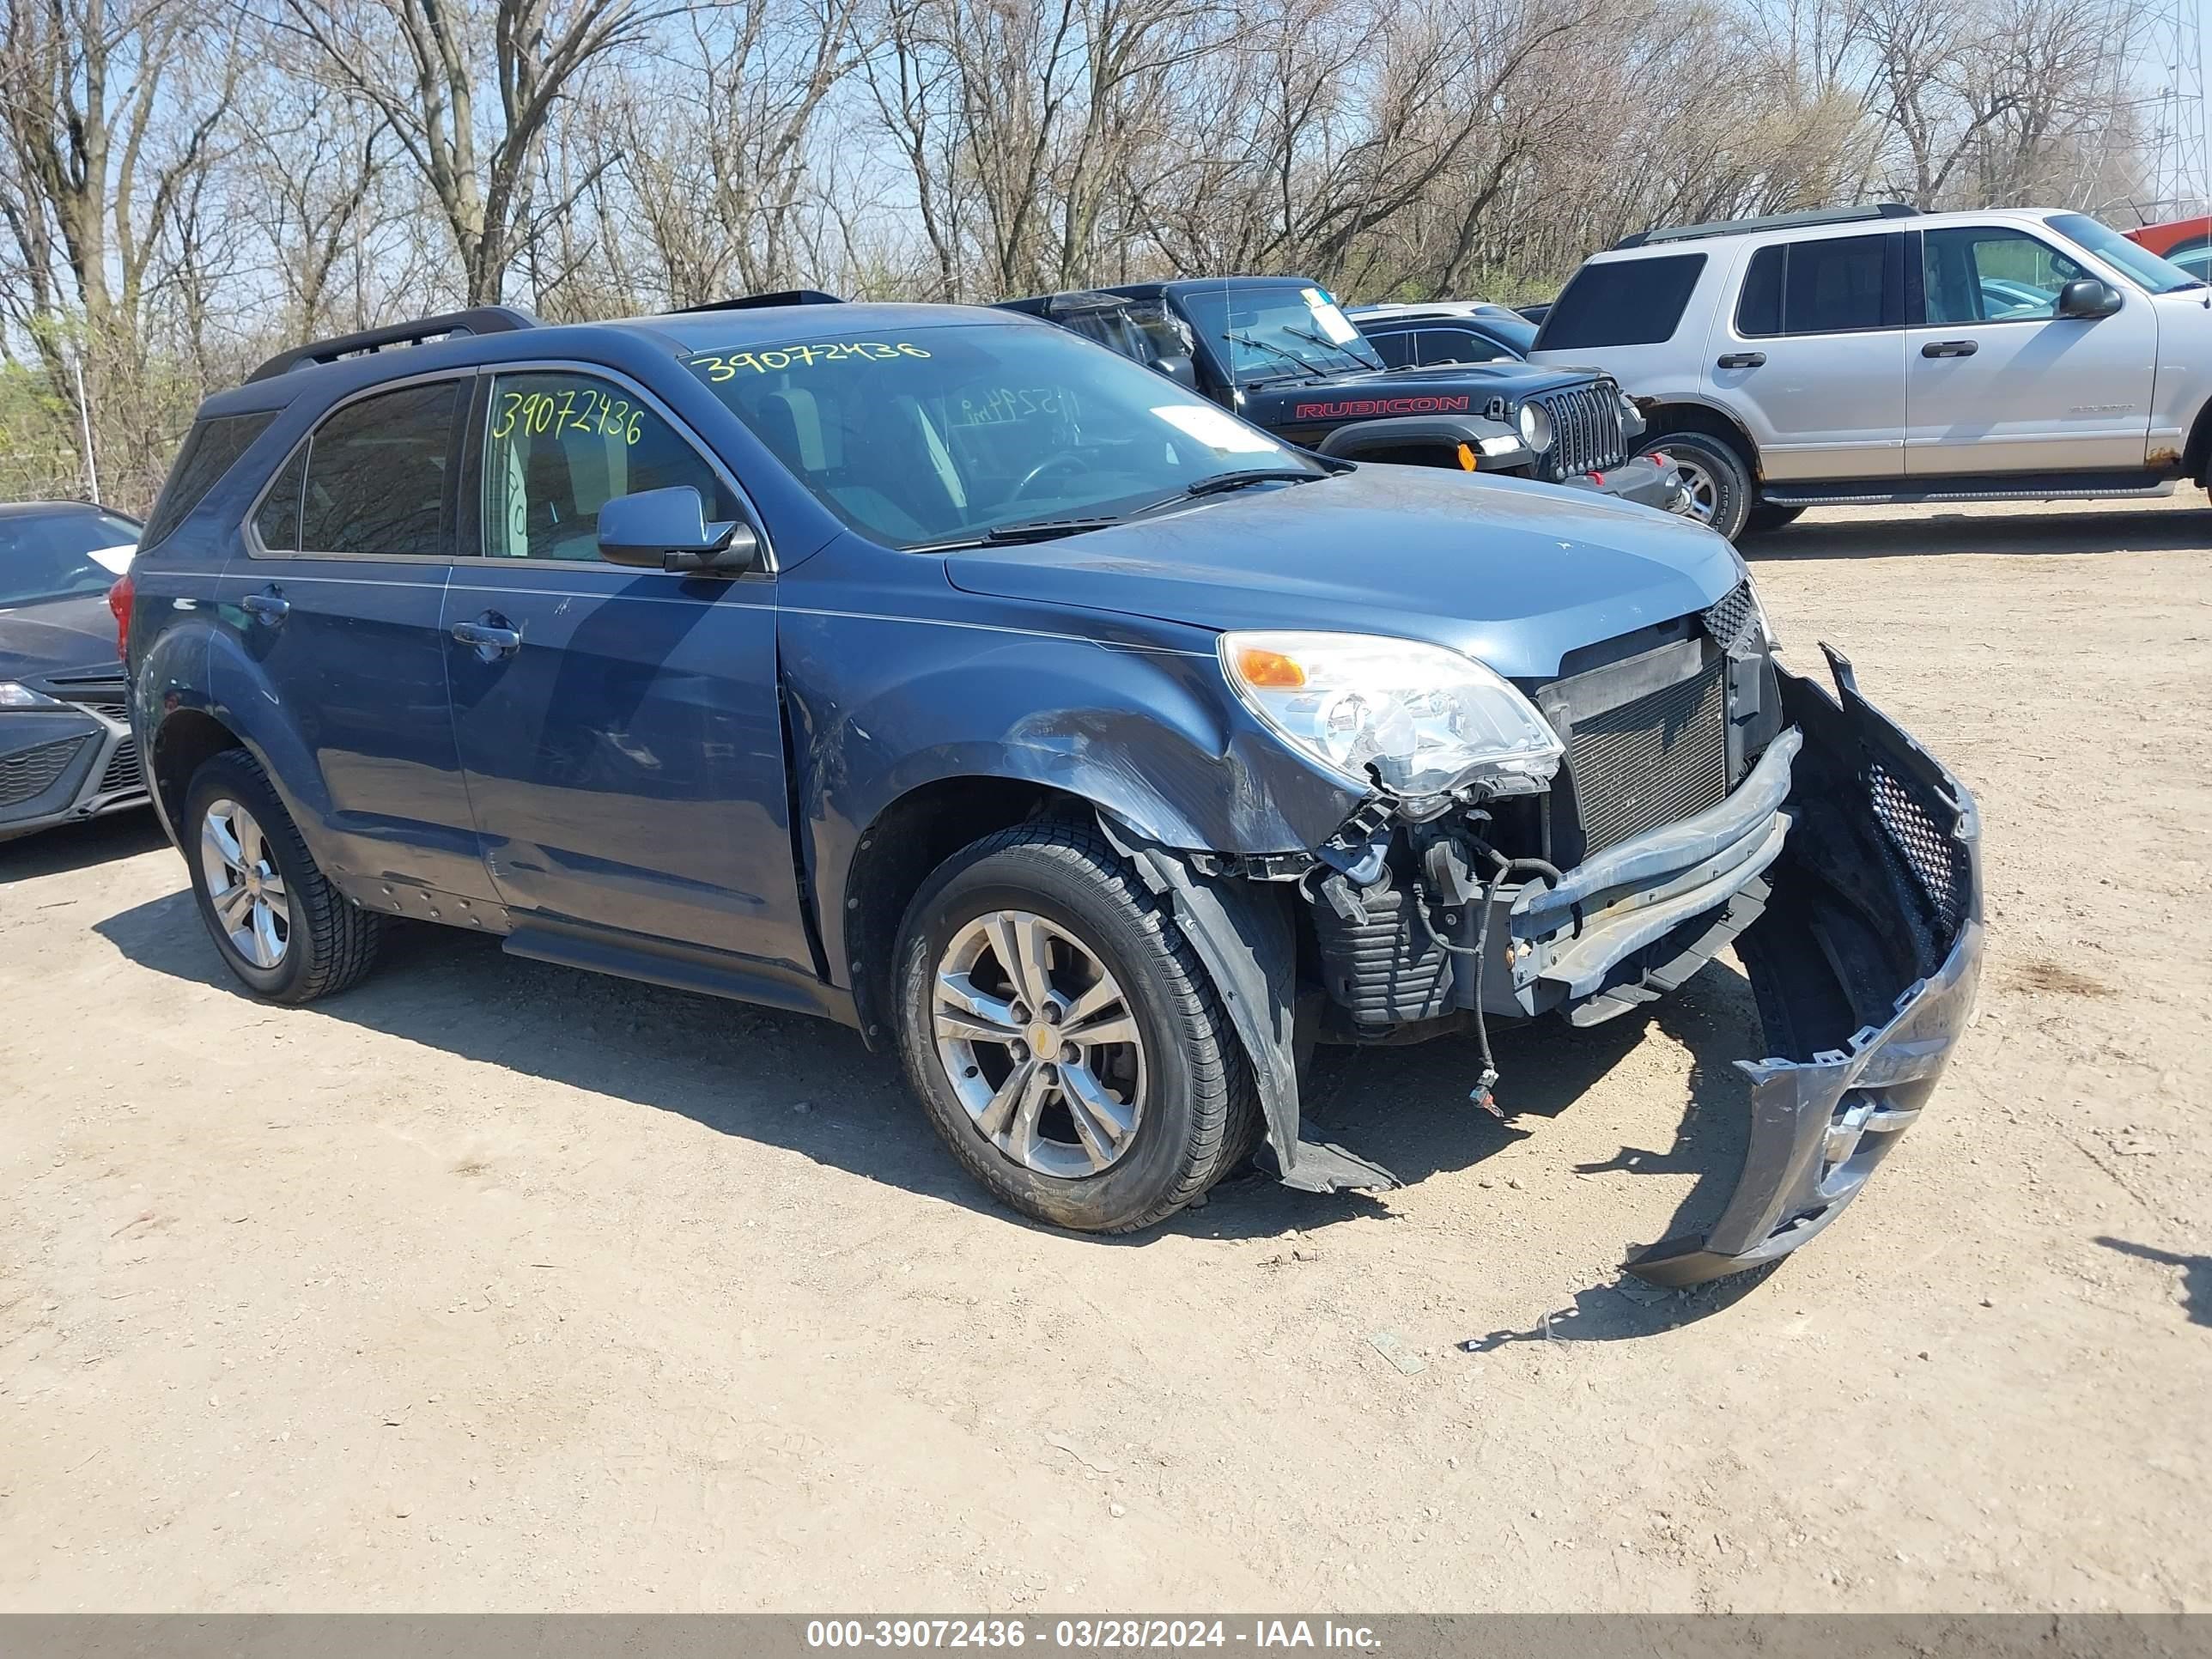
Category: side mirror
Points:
column 1179, row 368
column 667, row 530
column 2088, row 298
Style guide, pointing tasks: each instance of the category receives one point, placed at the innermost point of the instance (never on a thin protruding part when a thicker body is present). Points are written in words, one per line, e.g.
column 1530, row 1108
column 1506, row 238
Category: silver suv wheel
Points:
column 243, row 884
column 1702, row 490
column 1039, row 1044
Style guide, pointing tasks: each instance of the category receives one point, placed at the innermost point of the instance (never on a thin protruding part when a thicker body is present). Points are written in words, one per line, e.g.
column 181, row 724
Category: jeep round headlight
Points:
column 1417, row 719
column 1535, row 428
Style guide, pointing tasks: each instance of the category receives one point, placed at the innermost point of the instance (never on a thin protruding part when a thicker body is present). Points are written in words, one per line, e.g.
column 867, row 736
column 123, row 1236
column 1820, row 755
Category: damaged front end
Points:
column 1708, row 797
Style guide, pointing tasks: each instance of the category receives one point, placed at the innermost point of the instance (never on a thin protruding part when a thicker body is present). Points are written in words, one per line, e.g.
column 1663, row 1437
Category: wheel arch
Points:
column 1689, row 415
column 899, row 848
column 186, row 740
column 2196, row 454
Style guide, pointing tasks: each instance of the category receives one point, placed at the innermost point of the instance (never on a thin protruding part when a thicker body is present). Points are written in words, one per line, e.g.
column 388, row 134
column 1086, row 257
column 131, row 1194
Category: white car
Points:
column 1882, row 354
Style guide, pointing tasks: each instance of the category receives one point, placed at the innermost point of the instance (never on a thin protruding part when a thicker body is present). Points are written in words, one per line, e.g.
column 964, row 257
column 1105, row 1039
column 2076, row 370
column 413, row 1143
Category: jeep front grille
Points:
column 1656, row 760
column 1585, row 427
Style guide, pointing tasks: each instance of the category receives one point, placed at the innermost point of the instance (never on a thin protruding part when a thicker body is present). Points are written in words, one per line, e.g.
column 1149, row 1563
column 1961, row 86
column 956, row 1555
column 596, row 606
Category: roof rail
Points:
column 476, row 320
column 790, row 296
column 1771, row 222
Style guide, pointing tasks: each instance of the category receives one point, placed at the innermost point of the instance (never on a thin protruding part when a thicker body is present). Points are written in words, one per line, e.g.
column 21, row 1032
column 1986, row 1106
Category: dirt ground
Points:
column 495, row 1285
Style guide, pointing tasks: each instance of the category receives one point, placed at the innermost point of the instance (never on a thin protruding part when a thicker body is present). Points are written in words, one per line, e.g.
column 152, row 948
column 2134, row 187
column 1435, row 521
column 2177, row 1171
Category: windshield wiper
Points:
column 1331, row 345
column 1258, row 475
column 1288, row 355
column 1023, row 530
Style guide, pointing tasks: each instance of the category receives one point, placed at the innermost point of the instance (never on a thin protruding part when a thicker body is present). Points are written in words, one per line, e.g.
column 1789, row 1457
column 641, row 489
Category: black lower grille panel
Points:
column 32, row 771
column 122, row 770
column 1657, row 760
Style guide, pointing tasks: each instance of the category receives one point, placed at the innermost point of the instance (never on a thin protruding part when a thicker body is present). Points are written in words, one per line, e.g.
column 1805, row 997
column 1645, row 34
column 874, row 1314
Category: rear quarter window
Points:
column 1622, row 303
column 210, row 449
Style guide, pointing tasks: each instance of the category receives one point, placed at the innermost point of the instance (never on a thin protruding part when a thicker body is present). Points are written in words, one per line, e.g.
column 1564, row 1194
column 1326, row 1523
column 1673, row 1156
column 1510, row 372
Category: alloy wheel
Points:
column 1039, row 1043
column 1705, row 490
column 245, row 889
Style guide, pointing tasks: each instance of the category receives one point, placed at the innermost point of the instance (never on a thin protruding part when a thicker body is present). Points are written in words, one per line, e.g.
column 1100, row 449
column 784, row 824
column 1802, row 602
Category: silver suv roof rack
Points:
column 476, row 320
column 1771, row 222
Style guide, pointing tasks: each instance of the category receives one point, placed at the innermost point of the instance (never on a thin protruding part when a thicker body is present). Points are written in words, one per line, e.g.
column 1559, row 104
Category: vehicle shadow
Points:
column 71, row 847
column 2195, row 1275
column 1964, row 530
column 809, row 1086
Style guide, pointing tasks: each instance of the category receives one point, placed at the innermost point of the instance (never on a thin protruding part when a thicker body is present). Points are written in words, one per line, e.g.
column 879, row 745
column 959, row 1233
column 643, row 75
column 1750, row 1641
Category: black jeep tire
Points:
column 1769, row 515
column 1718, row 476
column 1194, row 1112
column 324, row 943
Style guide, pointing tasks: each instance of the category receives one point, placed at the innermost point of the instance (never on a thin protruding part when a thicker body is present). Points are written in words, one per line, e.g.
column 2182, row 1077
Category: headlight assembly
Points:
column 14, row 696
column 1417, row 719
column 1535, row 425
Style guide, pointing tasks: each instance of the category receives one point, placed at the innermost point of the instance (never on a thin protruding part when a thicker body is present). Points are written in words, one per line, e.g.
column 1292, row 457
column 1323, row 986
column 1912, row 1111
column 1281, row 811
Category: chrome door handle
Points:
column 1742, row 360
column 491, row 634
column 1949, row 349
column 265, row 607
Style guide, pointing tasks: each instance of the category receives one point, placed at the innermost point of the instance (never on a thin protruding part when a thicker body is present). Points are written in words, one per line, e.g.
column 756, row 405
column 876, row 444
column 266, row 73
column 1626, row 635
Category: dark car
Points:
column 1447, row 333
column 1279, row 352
column 65, row 748
column 939, row 672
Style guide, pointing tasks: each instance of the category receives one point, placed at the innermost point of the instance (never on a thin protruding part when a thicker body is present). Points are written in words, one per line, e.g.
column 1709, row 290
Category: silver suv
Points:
column 1878, row 354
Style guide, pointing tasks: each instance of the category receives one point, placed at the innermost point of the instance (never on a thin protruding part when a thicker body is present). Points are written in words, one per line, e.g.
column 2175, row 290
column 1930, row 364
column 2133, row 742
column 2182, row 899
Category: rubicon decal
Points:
column 1352, row 409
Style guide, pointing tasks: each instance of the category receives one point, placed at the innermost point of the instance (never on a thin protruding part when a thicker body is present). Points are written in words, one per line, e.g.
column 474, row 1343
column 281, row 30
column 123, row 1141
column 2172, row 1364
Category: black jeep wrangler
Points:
column 1277, row 351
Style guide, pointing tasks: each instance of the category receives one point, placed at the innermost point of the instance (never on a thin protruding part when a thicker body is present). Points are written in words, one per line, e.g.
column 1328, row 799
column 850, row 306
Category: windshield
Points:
column 1294, row 331
column 2158, row 276
column 62, row 555
column 933, row 435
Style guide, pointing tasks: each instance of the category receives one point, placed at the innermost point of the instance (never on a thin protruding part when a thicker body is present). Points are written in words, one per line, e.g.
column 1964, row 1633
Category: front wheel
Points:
column 1717, row 477
column 1063, row 1036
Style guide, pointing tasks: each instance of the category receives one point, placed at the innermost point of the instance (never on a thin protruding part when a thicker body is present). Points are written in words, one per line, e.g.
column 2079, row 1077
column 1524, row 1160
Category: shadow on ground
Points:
column 2195, row 1275
column 80, row 846
column 808, row 1086
column 2045, row 533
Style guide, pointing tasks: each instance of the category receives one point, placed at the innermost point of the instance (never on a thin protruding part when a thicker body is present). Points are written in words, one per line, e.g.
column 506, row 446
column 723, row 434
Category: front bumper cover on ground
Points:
column 1865, row 962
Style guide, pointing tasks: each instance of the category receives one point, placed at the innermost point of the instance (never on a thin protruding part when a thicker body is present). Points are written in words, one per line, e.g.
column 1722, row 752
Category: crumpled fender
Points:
column 1243, row 938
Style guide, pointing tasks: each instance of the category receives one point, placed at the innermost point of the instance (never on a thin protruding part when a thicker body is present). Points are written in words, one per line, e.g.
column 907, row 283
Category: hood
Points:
column 58, row 636
column 1448, row 389
column 1514, row 573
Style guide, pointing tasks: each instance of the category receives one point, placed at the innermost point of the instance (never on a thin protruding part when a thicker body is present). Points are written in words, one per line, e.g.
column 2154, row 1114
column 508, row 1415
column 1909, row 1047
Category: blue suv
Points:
column 940, row 672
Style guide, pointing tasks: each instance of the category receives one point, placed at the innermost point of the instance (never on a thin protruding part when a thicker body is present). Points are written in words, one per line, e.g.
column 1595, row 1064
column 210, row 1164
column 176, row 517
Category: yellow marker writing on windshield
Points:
column 722, row 368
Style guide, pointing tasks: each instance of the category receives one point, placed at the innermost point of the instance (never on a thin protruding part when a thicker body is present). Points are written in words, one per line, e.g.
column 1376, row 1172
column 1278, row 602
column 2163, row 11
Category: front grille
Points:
column 122, row 770
column 1656, row 760
column 32, row 771
column 118, row 711
column 1585, row 427
column 1937, row 860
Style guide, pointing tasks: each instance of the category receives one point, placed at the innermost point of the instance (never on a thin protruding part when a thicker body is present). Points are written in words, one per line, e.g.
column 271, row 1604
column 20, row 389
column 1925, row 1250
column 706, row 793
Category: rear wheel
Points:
column 1065, row 1041
column 1718, row 478
column 277, row 922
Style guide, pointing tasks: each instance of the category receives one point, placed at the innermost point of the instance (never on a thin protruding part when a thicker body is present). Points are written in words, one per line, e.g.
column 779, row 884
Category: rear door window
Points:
column 1622, row 303
column 380, row 476
column 1832, row 285
column 209, row 450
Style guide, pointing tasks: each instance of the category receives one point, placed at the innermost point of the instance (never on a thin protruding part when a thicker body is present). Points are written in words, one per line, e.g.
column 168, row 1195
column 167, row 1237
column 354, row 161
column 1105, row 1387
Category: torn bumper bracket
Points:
column 1247, row 946
column 1865, row 961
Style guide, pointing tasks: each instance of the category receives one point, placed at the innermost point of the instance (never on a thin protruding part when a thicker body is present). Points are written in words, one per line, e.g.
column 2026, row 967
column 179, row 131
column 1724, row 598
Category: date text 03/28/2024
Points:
column 1087, row 1634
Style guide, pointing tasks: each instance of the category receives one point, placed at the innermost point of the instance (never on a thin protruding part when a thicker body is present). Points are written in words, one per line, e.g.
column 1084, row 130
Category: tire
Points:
column 1718, row 476
column 1768, row 516
column 1181, row 1095
column 323, row 942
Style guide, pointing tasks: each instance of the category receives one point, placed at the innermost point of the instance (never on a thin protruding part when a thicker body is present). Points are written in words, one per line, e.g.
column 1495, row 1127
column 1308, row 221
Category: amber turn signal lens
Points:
column 1269, row 670
column 1467, row 460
